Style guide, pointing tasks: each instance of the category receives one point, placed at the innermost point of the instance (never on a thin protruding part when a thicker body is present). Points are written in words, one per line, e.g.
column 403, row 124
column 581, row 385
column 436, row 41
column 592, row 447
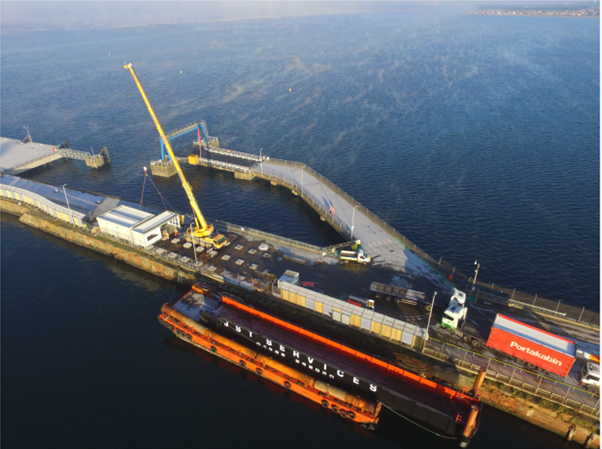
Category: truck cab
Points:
column 363, row 257
column 589, row 376
column 454, row 317
column 455, row 314
column 361, row 302
column 457, row 298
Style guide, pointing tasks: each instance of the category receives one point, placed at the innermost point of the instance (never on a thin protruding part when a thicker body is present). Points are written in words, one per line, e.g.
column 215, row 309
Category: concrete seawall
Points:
column 35, row 219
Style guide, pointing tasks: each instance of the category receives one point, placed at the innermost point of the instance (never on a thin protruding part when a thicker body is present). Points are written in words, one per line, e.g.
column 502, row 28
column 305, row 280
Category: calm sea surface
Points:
column 477, row 137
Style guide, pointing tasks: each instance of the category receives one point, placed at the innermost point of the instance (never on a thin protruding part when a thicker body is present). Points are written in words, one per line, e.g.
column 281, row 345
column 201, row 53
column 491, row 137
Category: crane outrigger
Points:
column 203, row 232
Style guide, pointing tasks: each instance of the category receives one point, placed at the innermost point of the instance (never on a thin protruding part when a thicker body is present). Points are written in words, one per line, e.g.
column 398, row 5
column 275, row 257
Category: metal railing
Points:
column 187, row 128
column 74, row 154
column 535, row 384
column 162, row 163
column 219, row 164
column 514, row 298
column 244, row 230
column 238, row 154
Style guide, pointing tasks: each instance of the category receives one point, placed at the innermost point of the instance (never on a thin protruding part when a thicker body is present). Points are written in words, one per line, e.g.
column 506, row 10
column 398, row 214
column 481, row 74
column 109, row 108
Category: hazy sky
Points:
column 20, row 16
column 40, row 15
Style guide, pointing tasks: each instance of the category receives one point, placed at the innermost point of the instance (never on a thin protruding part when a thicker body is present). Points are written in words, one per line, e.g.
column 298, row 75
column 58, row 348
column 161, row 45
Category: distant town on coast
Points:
column 559, row 9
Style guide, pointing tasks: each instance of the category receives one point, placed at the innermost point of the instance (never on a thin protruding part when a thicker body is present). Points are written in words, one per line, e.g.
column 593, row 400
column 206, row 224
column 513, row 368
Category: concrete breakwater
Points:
column 558, row 421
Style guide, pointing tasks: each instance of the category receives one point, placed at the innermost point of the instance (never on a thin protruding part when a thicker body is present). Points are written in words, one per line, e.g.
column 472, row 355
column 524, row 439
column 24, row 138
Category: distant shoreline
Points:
column 581, row 13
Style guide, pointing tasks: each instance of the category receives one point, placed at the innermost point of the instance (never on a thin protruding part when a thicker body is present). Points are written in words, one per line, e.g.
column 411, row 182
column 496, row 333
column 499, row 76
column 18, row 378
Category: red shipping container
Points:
column 547, row 351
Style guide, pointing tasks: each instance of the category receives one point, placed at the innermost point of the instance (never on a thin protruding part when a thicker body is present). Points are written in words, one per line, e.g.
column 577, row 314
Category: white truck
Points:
column 454, row 320
column 455, row 314
column 359, row 256
column 589, row 377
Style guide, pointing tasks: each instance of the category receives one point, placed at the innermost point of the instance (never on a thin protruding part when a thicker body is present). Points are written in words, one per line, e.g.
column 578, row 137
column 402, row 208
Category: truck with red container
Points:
column 536, row 347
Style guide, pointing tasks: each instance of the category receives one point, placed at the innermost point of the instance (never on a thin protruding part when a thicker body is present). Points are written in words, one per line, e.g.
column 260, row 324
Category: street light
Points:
column 353, row 223
column 476, row 273
column 30, row 141
column 196, row 262
column 67, row 200
column 428, row 324
column 261, row 161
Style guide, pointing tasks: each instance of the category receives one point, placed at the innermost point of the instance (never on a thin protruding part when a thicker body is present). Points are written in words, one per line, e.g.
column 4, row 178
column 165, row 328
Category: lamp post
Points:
column 353, row 223
column 261, row 161
column 68, row 207
column 31, row 141
column 476, row 273
column 428, row 324
column 196, row 262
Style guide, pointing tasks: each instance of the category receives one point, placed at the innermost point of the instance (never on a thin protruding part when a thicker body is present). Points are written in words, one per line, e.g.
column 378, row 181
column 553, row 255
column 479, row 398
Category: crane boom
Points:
column 202, row 228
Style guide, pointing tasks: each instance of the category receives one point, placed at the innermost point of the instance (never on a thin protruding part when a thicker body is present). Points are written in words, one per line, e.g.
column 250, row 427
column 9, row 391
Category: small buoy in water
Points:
column 290, row 90
column 180, row 71
column 109, row 54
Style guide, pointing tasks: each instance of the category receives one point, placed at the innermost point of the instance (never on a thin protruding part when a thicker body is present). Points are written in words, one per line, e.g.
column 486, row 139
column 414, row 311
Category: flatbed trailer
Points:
column 398, row 294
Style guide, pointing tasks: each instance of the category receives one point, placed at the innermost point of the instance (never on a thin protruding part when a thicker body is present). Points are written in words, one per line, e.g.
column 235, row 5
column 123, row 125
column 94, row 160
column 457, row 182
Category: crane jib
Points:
column 202, row 228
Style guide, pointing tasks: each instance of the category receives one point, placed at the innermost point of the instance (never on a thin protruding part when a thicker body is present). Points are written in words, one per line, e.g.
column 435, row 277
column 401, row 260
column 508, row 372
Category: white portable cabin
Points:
column 135, row 226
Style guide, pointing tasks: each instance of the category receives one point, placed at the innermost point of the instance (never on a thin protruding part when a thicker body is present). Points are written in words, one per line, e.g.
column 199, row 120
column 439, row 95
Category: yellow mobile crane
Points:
column 203, row 232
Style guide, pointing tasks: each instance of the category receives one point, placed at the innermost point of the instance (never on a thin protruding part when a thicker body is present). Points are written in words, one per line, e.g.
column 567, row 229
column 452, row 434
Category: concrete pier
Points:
column 386, row 246
column 17, row 157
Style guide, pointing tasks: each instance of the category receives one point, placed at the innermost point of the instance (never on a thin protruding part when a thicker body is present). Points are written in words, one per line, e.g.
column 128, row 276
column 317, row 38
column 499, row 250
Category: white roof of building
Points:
column 118, row 219
column 126, row 216
column 135, row 219
column 155, row 222
column 536, row 335
column 130, row 212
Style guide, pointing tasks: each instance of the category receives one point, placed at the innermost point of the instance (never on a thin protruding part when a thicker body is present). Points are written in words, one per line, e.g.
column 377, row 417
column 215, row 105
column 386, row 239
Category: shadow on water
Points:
column 391, row 428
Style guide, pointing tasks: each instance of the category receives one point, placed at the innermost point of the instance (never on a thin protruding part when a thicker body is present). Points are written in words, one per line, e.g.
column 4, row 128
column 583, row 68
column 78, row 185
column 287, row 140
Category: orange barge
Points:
column 362, row 411
column 326, row 372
